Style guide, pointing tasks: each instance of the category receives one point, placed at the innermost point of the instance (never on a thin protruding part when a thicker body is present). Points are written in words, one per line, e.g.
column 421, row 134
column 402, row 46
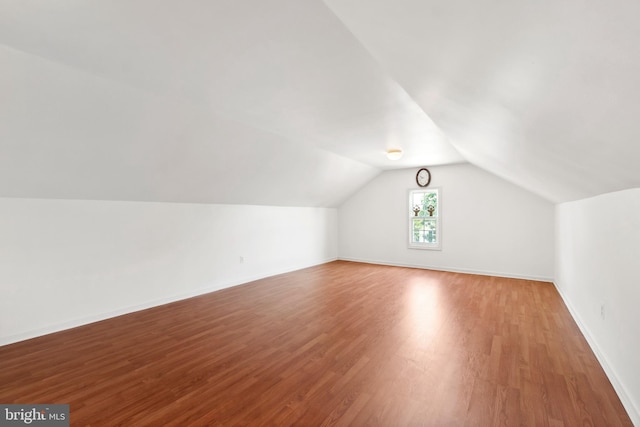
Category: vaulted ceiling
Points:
column 294, row 102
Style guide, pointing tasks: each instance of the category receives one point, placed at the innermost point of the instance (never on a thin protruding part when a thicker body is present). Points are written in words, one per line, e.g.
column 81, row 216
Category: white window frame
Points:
column 437, row 217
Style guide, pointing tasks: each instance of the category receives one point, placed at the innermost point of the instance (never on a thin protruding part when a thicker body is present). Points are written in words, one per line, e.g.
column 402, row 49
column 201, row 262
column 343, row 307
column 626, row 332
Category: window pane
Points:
column 424, row 203
column 424, row 231
column 430, row 204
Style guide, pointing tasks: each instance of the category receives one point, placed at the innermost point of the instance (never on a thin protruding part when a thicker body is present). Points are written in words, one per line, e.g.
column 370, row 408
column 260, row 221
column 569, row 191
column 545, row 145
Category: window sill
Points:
column 426, row 247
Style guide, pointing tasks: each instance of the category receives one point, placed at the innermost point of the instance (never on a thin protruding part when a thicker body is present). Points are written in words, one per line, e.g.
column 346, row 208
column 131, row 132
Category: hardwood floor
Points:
column 338, row 344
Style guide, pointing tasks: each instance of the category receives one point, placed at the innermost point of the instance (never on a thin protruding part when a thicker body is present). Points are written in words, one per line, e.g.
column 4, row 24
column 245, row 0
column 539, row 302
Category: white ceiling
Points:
column 544, row 93
column 294, row 102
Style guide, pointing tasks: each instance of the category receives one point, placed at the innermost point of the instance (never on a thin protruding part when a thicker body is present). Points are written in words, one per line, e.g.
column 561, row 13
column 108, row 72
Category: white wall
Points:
column 597, row 254
column 489, row 226
column 65, row 263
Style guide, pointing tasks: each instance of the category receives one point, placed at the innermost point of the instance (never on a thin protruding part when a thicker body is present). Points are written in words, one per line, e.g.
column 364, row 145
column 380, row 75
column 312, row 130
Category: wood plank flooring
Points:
column 337, row 344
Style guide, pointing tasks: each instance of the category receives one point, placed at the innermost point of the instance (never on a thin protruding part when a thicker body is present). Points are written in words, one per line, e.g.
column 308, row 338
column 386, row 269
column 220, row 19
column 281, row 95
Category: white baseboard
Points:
column 627, row 402
column 74, row 323
column 451, row 269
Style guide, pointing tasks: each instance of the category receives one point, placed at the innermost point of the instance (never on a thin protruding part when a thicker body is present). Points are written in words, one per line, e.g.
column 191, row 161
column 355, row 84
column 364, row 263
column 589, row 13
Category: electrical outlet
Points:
column 602, row 311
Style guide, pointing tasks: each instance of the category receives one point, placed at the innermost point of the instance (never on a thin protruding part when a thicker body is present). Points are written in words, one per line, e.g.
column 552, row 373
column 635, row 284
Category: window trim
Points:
column 438, row 217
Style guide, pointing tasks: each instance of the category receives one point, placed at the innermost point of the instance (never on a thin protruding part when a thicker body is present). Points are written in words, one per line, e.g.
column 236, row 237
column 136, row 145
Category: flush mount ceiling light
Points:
column 394, row 153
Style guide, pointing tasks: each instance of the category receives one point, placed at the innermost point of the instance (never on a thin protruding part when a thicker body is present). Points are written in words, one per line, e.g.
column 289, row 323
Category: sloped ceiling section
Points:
column 294, row 102
column 69, row 134
column 543, row 93
column 227, row 101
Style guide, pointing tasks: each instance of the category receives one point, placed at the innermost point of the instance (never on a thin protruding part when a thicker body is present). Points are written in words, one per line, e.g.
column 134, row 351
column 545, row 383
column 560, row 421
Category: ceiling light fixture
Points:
column 394, row 153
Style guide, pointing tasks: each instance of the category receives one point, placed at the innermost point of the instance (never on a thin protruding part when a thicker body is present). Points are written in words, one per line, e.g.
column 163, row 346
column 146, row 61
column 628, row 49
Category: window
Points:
column 424, row 219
